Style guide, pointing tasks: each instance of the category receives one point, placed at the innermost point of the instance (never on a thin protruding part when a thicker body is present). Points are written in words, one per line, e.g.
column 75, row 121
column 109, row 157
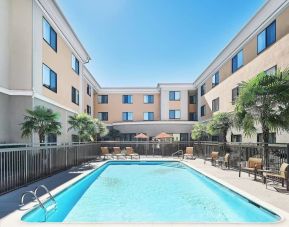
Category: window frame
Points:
column 99, row 99
column 193, row 101
column 216, row 105
column 236, row 56
column 148, row 115
column 193, row 118
column 51, row 31
column 76, row 101
column 50, row 76
column 203, row 110
column 149, row 101
column 174, row 117
column 124, row 99
column 265, row 31
column 75, row 65
column 127, row 114
column 203, row 89
column 172, row 95
column 88, row 109
column 216, row 75
column 88, row 90
column 238, row 93
column 102, row 114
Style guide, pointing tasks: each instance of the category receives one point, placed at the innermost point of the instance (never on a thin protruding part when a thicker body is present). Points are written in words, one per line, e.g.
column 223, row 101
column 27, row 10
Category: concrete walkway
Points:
column 247, row 184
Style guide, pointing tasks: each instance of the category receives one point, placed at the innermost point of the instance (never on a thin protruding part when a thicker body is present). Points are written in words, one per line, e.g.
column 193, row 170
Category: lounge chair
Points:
column 213, row 158
column 282, row 175
column 105, row 152
column 253, row 165
column 189, row 153
column 117, row 152
column 130, row 152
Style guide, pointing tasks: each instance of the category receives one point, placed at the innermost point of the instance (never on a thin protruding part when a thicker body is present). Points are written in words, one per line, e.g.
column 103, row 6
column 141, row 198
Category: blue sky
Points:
column 144, row 42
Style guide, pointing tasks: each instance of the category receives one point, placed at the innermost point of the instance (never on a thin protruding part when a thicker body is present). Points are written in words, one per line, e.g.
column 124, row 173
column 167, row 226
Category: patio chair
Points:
column 117, row 152
column 130, row 152
column 282, row 175
column 189, row 153
column 213, row 158
column 105, row 152
column 253, row 165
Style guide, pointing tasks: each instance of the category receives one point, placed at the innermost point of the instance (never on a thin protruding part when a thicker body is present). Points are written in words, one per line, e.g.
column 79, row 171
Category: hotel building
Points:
column 43, row 63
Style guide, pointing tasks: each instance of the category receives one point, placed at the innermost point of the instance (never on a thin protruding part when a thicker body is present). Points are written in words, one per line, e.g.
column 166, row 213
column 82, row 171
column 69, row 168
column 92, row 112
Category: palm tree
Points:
column 87, row 127
column 199, row 131
column 220, row 125
column 42, row 121
column 264, row 100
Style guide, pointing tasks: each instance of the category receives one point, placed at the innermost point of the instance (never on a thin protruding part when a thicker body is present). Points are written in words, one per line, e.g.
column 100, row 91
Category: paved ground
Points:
column 9, row 203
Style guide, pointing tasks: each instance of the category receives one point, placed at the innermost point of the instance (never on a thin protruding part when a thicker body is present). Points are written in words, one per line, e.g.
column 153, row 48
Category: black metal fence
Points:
column 23, row 165
column 20, row 166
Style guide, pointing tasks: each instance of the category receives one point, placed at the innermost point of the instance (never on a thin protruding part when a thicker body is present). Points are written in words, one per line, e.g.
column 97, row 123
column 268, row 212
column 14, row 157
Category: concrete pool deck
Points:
column 11, row 213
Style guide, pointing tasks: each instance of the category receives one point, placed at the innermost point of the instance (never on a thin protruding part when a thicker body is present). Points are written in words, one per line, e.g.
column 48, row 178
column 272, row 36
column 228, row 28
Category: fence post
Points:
column 66, row 156
column 26, row 166
column 288, row 153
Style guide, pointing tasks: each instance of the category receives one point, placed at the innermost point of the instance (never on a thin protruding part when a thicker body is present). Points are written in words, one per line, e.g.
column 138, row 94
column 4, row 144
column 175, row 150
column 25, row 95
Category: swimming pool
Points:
column 151, row 191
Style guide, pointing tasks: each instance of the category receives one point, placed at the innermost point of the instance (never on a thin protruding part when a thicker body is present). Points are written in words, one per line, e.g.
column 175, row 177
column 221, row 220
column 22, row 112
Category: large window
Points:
column 215, row 105
column 235, row 94
column 75, row 64
column 203, row 111
column 52, row 139
column 193, row 116
column 174, row 114
column 271, row 70
column 148, row 99
column 215, row 79
column 237, row 61
column 148, row 116
column 193, row 99
column 203, row 89
column 88, row 109
column 75, row 95
column 267, row 37
column 103, row 116
column 127, row 99
column 88, row 89
column 127, row 116
column 272, row 137
column 102, row 99
column 175, row 95
column 236, row 138
column 49, row 78
column 49, row 35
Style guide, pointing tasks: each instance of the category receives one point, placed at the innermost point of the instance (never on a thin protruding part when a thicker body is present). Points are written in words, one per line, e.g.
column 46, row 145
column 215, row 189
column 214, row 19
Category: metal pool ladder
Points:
column 177, row 153
column 47, row 209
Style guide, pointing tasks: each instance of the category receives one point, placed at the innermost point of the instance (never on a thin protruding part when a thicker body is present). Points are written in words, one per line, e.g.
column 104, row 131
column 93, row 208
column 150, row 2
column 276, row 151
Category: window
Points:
column 49, row 35
column 235, row 94
column 148, row 99
column 52, row 139
column 75, row 96
column 193, row 116
column 193, row 99
column 215, row 105
column 215, row 138
column 174, row 95
column 88, row 89
column 271, row 70
column 127, row 116
column 49, row 78
column 103, row 116
column 75, row 64
column 215, row 79
column 127, row 99
column 174, row 114
column 148, row 116
column 88, row 109
column 203, row 111
column 203, row 89
column 236, row 138
column 237, row 61
column 102, row 99
column 272, row 137
column 267, row 37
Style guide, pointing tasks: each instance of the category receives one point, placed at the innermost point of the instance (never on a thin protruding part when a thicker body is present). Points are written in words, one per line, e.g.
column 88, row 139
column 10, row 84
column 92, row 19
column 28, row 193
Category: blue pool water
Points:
column 136, row 191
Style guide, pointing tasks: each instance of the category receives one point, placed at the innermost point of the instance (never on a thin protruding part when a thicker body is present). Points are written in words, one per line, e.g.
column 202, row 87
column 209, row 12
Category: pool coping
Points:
column 14, row 219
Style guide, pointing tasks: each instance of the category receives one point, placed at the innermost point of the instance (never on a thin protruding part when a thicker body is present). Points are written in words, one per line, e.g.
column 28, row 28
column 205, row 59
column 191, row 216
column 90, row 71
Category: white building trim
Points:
column 16, row 92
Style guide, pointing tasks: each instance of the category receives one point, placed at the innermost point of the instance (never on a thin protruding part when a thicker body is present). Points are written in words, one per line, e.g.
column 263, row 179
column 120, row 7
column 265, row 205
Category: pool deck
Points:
column 11, row 213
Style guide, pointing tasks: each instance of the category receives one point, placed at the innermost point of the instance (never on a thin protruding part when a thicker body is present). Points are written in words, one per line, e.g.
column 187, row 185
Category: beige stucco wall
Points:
column 115, row 107
column 16, row 44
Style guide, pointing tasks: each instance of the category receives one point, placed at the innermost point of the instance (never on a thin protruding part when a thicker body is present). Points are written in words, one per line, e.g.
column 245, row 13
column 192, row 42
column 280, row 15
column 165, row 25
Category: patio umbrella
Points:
column 163, row 135
column 141, row 136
